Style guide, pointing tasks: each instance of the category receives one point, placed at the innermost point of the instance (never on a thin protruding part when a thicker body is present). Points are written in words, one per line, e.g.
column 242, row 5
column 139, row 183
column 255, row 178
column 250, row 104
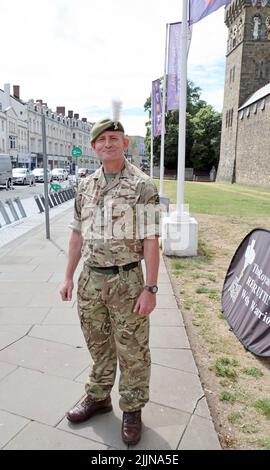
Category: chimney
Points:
column 6, row 97
column 76, row 116
column 61, row 110
column 39, row 101
column 16, row 91
column 7, row 88
column 70, row 114
column 84, row 119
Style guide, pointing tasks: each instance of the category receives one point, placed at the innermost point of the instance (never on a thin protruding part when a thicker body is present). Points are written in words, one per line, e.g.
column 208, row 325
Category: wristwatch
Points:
column 152, row 289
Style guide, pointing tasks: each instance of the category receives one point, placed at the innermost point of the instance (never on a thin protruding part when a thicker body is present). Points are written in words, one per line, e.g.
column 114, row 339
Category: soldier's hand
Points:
column 66, row 291
column 145, row 303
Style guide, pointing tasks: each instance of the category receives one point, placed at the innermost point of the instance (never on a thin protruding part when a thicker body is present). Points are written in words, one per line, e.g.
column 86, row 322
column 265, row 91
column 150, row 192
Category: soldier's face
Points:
column 110, row 146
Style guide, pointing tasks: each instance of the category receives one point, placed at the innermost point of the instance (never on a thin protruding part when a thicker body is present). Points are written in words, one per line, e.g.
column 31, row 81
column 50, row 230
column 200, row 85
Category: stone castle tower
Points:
column 247, row 70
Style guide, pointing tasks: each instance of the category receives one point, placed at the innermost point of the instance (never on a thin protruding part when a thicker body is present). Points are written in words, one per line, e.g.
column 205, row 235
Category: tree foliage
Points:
column 203, row 126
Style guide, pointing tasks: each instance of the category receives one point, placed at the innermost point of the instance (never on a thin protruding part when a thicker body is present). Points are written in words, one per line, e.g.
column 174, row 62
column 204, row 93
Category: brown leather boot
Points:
column 131, row 427
column 87, row 408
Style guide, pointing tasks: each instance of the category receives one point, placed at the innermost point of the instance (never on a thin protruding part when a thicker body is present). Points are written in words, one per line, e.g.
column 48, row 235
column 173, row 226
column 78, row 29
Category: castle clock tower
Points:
column 247, row 70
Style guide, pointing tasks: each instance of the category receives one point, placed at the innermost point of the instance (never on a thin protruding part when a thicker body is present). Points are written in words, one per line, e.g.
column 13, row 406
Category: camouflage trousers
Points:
column 113, row 331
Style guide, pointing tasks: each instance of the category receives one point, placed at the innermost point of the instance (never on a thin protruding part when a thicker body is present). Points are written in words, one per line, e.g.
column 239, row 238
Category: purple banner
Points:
column 173, row 83
column 201, row 8
column 173, row 67
column 156, row 108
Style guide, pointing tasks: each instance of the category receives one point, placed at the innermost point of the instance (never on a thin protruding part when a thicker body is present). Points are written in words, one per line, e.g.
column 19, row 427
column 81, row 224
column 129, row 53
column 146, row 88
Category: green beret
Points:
column 105, row 125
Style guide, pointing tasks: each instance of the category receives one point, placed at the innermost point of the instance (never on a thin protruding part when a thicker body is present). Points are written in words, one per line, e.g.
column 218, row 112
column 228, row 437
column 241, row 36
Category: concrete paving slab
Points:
column 46, row 356
column 65, row 334
column 18, row 287
column 82, row 378
column 25, row 268
column 64, row 316
column 175, row 388
column 21, row 276
column 10, row 425
column 165, row 289
column 163, row 278
column 22, row 315
column 52, row 300
column 163, row 427
column 6, row 369
column 9, row 300
column 37, row 436
column 202, row 409
column 105, row 428
column 168, row 337
column 180, row 359
column 166, row 301
column 200, row 435
column 52, row 262
column 19, row 259
column 11, row 333
column 170, row 317
column 41, row 397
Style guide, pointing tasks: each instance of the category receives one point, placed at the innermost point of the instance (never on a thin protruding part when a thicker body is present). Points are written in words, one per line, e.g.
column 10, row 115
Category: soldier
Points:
column 113, row 231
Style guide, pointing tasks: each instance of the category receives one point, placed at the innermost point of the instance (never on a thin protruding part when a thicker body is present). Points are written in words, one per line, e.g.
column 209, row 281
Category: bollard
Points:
column 50, row 202
column 56, row 195
column 53, row 198
column 20, row 206
column 12, row 209
column 41, row 209
column 4, row 213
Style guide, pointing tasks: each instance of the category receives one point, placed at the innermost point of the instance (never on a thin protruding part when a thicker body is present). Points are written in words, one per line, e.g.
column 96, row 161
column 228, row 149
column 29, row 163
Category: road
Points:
column 25, row 191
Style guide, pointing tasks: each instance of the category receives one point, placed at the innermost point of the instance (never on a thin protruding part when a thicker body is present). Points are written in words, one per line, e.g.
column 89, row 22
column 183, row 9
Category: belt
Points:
column 113, row 269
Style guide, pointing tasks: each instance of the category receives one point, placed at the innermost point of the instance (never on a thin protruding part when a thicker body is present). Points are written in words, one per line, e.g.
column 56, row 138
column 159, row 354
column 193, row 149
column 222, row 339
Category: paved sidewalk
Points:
column 44, row 362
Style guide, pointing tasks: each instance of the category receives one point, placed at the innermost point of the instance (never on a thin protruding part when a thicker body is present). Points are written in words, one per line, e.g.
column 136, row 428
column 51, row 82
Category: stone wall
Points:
column 253, row 157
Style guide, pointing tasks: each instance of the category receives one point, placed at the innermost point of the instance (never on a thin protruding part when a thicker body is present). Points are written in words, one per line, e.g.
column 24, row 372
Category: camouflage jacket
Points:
column 115, row 218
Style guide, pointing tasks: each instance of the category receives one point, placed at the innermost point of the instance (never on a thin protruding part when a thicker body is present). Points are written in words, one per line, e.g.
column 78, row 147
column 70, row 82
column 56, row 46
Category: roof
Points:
column 258, row 95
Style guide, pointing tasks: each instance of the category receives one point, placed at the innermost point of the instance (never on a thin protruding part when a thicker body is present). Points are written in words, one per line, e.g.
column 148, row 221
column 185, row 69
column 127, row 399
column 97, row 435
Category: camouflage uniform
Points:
column 106, row 301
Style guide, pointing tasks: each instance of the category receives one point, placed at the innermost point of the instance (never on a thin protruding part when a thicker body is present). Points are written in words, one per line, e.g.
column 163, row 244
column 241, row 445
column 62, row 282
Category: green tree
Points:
column 194, row 134
column 206, row 138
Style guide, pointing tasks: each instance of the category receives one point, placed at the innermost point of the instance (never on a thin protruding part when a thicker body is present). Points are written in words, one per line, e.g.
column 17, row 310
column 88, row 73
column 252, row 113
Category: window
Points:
column 12, row 142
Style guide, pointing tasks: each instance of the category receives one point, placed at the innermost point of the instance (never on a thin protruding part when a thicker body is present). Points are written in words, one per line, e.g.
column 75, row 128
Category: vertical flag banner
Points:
column 201, row 8
column 174, row 65
column 156, row 108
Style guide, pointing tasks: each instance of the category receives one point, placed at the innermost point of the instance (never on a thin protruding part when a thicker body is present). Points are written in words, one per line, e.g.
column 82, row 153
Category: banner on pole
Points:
column 174, row 65
column 199, row 9
column 156, row 108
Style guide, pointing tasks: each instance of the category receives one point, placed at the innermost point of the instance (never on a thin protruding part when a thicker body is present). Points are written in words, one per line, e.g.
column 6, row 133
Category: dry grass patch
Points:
column 236, row 382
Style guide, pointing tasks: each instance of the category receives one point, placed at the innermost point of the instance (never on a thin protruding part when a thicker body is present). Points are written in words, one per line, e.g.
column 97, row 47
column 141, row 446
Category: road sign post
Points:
column 76, row 152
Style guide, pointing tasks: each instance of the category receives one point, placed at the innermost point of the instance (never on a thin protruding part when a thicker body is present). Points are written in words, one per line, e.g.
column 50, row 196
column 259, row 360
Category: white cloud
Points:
column 81, row 53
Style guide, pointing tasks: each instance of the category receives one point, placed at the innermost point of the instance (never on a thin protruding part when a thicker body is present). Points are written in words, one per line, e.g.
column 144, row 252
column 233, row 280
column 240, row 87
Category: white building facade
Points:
column 21, row 133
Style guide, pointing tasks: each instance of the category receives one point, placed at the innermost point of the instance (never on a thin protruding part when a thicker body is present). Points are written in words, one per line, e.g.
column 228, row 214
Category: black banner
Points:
column 246, row 292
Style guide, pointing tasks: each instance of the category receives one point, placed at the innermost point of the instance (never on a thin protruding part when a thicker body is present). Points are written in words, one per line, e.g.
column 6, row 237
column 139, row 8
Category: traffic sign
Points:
column 76, row 152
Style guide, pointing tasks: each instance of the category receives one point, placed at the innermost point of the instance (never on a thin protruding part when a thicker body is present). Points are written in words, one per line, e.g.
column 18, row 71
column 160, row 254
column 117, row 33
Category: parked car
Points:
column 60, row 174
column 39, row 174
column 23, row 176
column 5, row 170
column 82, row 172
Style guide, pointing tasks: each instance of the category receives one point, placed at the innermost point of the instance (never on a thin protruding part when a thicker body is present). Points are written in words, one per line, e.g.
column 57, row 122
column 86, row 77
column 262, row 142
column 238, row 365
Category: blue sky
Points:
column 83, row 53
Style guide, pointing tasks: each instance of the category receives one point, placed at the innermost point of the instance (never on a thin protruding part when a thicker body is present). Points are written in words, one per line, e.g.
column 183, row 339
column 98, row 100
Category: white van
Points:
column 5, row 170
